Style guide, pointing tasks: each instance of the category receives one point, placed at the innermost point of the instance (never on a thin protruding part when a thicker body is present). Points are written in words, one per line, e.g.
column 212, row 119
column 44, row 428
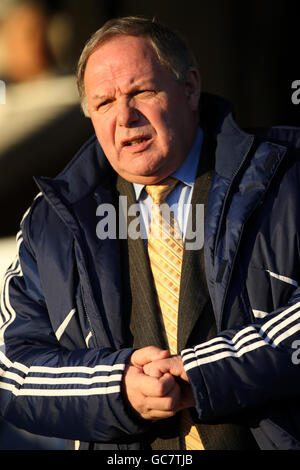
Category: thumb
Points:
column 143, row 356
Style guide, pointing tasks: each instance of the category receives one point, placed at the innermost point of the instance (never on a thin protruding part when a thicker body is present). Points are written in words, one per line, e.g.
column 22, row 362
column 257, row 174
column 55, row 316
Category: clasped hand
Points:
column 156, row 384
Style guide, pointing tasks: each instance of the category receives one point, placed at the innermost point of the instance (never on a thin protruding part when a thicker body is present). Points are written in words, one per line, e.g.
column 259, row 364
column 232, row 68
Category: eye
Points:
column 104, row 104
column 145, row 93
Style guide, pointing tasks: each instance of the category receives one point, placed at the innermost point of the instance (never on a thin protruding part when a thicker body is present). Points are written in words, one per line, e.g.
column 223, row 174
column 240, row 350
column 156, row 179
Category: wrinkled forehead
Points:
column 123, row 59
column 122, row 50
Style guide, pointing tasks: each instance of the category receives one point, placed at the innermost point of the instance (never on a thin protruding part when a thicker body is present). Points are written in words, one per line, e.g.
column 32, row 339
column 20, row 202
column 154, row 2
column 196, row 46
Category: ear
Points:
column 193, row 87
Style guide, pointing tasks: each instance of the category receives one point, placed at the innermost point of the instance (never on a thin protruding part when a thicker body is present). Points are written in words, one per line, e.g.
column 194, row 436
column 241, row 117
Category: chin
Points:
column 145, row 178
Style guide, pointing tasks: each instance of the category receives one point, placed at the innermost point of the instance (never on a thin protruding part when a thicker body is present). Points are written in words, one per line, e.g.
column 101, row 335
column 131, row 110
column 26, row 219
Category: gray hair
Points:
column 171, row 50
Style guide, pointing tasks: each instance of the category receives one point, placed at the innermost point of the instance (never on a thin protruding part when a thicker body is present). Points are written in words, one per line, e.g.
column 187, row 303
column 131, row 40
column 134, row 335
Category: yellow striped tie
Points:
column 165, row 248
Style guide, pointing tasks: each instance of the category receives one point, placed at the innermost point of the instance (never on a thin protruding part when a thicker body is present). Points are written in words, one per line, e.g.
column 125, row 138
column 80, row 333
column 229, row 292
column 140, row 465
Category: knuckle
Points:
column 161, row 389
column 169, row 414
column 170, row 403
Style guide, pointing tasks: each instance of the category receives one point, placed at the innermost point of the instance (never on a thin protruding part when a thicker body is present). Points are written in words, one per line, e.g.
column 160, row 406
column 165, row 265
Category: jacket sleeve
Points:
column 247, row 367
column 46, row 389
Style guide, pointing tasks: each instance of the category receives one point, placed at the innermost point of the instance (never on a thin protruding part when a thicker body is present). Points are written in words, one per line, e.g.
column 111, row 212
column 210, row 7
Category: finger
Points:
column 156, row 415
column 153, row 387
column 171, row 403
column 173, row 365
column 160, row 408
column 148, row 354
column 167, row 383
column 158, row 368
column 152, row 369
column 161, row 367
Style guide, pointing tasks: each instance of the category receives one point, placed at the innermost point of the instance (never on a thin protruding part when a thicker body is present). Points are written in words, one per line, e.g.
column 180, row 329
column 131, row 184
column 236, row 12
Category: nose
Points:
column 127, row 113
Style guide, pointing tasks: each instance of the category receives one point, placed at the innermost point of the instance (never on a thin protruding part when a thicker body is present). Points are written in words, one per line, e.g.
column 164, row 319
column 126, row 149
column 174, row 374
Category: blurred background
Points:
column 247, row 52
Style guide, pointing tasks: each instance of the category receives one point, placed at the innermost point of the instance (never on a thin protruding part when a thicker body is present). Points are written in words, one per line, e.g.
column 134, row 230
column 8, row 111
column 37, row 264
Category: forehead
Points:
column 123, row 58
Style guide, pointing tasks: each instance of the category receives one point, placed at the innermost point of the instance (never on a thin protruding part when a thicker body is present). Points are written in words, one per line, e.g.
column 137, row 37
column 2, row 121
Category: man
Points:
column 84, row 313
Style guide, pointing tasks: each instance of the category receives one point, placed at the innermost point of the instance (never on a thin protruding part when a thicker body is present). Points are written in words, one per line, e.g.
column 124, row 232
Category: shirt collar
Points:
column 187, row 171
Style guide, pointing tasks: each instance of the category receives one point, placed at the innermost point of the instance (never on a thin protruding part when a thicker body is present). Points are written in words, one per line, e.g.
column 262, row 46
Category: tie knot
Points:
column 159, row 192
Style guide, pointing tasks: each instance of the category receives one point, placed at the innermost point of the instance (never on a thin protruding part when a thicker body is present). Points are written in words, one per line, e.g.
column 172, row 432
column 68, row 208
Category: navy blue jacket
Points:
column 61, row 309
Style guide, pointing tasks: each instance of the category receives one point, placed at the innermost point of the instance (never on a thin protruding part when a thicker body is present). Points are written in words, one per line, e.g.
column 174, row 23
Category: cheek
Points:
column 161, row 121
column 177, row 128
column 104, row 132
column 165, row 118
column 166, row 131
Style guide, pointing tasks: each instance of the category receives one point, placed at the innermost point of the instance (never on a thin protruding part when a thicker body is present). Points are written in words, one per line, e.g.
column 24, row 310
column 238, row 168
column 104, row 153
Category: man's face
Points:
column 144, row 119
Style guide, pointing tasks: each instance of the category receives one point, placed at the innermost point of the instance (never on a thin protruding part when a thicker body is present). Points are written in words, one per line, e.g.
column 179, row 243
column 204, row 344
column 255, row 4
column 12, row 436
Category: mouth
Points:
column 135, row 141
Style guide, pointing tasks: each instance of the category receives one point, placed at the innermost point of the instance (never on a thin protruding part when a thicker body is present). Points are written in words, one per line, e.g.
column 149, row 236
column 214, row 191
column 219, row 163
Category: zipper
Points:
column 68, row 220
column 87, row 315
column 83, row 278
column 83, row 273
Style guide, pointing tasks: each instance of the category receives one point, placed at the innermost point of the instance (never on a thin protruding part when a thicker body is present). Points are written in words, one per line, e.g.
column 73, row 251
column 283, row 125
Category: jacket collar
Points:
column 85, row 172
column 232, row 143
column 90, row 167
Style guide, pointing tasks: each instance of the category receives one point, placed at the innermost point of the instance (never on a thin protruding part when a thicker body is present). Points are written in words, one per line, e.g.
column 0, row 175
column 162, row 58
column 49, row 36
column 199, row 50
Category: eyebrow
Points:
column 101, row 97
column 132, row 88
